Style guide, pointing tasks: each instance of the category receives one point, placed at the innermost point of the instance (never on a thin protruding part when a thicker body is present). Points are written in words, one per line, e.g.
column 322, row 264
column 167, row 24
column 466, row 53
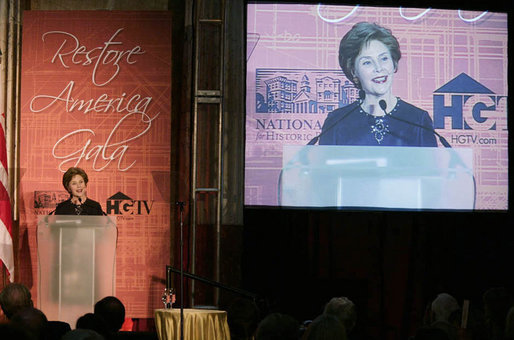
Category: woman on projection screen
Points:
column 75, row 182
column 369, row 55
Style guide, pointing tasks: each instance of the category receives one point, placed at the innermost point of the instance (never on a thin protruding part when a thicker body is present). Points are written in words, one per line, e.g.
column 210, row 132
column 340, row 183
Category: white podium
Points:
column 76, row 264
column 377, row 177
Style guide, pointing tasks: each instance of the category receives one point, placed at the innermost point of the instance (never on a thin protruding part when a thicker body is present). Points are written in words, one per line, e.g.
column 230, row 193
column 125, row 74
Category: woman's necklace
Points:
column 78, row 207
column 379, row 129
column 378, row 124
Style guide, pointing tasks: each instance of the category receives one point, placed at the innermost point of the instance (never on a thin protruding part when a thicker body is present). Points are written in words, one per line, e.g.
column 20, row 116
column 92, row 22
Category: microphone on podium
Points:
column 444, row 142
column 91, row 206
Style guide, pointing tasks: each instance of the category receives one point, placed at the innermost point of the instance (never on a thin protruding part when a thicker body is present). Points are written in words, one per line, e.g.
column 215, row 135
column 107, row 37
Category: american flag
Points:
column 6, row 244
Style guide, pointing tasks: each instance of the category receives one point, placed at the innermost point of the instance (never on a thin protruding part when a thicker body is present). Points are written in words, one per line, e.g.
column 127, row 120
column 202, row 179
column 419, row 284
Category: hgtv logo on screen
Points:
column 468, row 105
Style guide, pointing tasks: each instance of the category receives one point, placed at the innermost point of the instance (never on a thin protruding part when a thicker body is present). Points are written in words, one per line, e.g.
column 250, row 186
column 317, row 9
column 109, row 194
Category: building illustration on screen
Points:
column 302, row 91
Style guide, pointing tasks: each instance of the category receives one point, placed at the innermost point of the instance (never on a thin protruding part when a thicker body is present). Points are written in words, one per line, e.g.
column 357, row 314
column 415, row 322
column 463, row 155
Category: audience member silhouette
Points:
column 242, row 317
column 337, row 321
column 344, row 310
column 509, row 325
column 444, row 313
column 277, row 326
column 33, row 321
column 93, row 322
column 430, row 333
column 56, row 329
column 112, row 311
column 497, row 302
column 15, row 297
column 9, row 331
column 325, row 327
column 445, row 308
column 450, row 329
column 82, row 334
column 475, row 327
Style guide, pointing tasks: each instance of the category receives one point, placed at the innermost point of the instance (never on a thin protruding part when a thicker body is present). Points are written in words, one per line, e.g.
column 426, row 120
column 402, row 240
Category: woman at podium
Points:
column 75, row 182
column 369, row 55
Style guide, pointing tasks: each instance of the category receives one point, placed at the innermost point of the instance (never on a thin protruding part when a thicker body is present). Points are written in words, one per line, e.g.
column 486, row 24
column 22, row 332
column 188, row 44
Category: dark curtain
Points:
column 389, row 264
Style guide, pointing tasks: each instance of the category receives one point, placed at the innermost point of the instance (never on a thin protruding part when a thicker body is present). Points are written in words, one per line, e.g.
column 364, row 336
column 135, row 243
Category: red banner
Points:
column 95, row 93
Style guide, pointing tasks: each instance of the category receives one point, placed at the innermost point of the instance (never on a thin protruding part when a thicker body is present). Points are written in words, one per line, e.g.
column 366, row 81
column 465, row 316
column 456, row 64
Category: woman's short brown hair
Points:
column 68, row 175
column 359, row 36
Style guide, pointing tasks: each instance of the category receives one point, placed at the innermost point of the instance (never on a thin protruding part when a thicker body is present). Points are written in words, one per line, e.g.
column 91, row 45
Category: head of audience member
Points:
column 277, row 326
column 430, row 333
column 325, row 327
column 15, row 297
column 112, row 311
column 445, row 308
column 242, row 318
column 93, row 322
column 33, row 321
column 82, row 334
column 344, row 310
column 497, row 302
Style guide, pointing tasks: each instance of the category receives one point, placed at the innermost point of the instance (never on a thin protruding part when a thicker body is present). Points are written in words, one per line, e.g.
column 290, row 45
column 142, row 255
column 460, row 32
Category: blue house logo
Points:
column 468, row 105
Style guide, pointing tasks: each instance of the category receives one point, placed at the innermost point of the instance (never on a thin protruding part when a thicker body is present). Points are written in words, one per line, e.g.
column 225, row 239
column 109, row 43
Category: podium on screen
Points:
column 377, row 177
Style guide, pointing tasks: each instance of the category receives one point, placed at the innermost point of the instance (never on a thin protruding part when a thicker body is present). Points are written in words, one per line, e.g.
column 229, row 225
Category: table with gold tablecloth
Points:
column 204, row 324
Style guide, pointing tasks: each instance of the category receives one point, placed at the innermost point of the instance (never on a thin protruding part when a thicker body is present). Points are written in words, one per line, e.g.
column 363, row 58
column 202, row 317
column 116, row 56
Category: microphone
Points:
column 444, row 142
column 313, row 141
column 383, row 105
column 91, row 206
column 79, row 208
column 181, row 205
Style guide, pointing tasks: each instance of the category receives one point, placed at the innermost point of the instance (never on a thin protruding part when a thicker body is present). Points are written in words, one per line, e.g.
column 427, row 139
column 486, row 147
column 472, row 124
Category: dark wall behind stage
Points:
column 391, row 264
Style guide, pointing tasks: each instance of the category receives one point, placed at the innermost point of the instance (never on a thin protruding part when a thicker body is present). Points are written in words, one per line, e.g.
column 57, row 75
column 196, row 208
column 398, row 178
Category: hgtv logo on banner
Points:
column 121, row 204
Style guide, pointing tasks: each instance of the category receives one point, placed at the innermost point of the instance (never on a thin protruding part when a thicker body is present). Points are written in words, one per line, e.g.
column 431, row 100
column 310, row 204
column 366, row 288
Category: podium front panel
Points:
column 76, row 264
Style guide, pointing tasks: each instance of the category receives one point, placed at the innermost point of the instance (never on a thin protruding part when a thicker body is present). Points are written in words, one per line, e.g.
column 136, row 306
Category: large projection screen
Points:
column 453, row 67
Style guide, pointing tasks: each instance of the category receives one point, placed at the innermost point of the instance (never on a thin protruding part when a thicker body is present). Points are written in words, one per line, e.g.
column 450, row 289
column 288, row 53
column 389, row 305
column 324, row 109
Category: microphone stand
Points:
column 195, row 277
column 181, row 208
column 444, row 142
column 212, row 283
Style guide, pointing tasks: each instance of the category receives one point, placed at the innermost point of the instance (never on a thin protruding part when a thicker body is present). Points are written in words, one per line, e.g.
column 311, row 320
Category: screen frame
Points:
column 466, row 5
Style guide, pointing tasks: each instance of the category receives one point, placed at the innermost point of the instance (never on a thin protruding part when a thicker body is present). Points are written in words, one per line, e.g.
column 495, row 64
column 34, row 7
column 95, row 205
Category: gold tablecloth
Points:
column 199, row 324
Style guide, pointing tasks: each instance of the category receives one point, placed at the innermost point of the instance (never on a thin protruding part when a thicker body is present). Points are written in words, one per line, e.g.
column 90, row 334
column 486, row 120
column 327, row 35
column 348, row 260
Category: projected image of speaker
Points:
column 362, row 107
